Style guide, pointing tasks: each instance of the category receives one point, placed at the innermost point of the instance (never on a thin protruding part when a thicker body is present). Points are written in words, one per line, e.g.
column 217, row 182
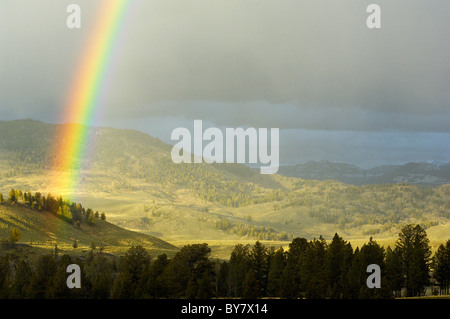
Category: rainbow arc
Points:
column 85, row 99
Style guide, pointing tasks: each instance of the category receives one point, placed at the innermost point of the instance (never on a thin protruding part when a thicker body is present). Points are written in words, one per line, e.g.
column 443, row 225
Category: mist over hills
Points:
column 431, row 173
column 130, row 176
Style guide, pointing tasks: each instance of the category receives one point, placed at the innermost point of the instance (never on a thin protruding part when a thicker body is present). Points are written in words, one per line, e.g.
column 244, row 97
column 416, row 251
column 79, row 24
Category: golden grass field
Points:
column 149, row 214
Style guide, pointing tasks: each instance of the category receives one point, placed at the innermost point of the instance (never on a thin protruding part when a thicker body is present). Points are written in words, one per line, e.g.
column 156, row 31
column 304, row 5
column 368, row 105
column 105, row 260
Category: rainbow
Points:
column 84, row 100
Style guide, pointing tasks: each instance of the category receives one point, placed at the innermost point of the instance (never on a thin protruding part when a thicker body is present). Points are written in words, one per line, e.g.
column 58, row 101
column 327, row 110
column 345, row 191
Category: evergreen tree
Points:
column 413, row 245
column 441, row 267
column 5, row 273
column 21, row 288
column 137, row 261
column 153, row 284
column 204, row 287
column 15, row 235
column 189, row 264
column 394, row 271
column 238, row 267
column 102, row 286
column 276, row 268
column 90, row 219
column 135, row 264
column 313, row 269
column 122, row 287
column 45, row 270
column 12, row 196
column 258, row 259
column 356, row 287
column 288, row 288
column 192, row 288
column 251, row 289
column 98, row 272
column 338, row 262
column 372, row 253
column 223, row 280
column 295, row 256
column 57, row 288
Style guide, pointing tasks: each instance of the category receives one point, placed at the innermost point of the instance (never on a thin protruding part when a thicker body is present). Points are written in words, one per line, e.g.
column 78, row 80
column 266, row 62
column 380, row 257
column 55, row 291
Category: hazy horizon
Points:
column 287, row 156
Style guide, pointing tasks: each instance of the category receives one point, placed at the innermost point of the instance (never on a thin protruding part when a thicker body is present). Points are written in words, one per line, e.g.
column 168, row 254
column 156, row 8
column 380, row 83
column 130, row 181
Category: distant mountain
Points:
column 430, row 173
column 130, row 176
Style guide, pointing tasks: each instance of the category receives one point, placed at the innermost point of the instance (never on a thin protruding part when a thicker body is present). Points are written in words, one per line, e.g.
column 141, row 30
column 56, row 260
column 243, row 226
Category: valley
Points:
column 131, row 177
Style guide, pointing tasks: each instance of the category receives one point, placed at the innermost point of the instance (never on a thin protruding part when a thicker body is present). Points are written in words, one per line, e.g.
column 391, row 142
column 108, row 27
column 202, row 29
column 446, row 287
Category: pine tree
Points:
column 223, row 280
column 295, row 256
column 155, row 285
column 98, row 273
column 5, row 273
column 287, row 287
column 441, row 267
column 45, row 270
column 190, row 263
column 15, row 235
column 102, row 286
column 258, row 259
column 394, row 271
column 276, row 267
column 204, row 287
column 250, row 289
column 372, row 253
column 338, row 262
column 21, row 288
column 191, row 289
column 313, row 269
column 57, row 288
column 91, row 219
column 12, row 196
column 413, row 245
column 239, row 264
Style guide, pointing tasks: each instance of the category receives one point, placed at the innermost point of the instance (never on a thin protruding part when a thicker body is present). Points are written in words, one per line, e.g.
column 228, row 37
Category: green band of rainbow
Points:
column 84, row 99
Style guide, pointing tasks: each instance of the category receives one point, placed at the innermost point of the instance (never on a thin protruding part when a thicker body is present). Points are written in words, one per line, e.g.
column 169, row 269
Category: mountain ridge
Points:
column 131, row 177
column 429, row 173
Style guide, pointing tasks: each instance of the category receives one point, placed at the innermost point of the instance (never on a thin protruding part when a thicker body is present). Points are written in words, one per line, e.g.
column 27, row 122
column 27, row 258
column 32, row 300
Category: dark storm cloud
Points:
column 289, row 64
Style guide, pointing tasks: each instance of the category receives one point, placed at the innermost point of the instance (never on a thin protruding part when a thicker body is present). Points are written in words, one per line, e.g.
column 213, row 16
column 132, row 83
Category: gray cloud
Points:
column 290, row 64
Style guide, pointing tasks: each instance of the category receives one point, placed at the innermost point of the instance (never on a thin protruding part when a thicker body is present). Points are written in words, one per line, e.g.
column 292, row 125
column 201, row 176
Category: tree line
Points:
column 308, row 269
column 70, row 212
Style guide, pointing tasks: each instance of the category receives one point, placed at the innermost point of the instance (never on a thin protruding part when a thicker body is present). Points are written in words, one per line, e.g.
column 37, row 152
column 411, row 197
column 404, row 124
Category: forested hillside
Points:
column 131, row 175
column 46, row 222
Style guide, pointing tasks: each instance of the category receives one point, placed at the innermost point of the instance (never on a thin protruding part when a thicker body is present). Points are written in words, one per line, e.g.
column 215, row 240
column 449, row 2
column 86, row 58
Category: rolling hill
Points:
column 131, row 177
column 42, row 229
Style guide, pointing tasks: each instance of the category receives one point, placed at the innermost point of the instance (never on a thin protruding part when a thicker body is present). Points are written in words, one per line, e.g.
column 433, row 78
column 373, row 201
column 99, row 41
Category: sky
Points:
column 337, row 90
